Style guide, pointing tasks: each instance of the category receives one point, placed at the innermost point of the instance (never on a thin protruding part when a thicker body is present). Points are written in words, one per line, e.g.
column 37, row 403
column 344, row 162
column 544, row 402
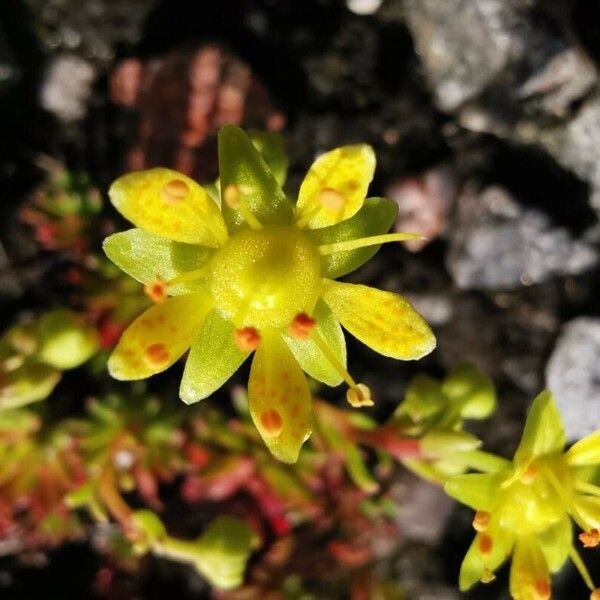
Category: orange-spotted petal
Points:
column 335, row 187
column 157, row 338
column 171, row 205
column 382, row 320
column 279, row 398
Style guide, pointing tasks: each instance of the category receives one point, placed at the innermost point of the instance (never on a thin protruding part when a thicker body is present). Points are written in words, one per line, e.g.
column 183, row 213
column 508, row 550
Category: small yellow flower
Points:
column 526, row 508
column 256, row 274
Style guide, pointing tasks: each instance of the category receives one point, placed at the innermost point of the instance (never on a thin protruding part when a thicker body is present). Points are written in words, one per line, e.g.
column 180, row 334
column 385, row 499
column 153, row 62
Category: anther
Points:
column 542, row 589
column 174, row 191
column 156, row 290
column 590, row 539
column 359, row 395
column 487, row 576
column 234, row 197
column 301, row 327
column 595, row 595
column 529, row 475
column 246, row 339
column 332, row 199
column 481, row 520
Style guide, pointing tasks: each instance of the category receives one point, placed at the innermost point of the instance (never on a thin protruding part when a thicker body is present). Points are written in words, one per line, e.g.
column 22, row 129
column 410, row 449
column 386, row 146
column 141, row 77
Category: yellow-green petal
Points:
column 382, row 320
column 529, row 573
column 311, row 358
column 374, row 218
column 585, row 452
column 169, row 204
column 147, row 257
column 245, row 176
column 159, row 337
column 279, row 398
column 555, row 542
column 336, row 185
column 543, row 433
column 214, row 358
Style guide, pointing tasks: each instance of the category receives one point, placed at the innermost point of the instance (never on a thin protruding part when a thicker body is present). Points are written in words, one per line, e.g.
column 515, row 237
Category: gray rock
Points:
column 497, row 244
column 67, row 87
column 573, row 375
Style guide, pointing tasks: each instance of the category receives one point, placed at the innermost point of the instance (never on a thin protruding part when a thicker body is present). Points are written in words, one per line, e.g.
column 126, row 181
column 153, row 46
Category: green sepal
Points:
column 242, row 166
column 472, row 389
column 543, row 433
column 147, row 257
column 423, row 399
column 555, row 543
column 213, row 359
column 271, row 146
column 476, row 490
column 375, row 217
column 310, row 357
column 31, row 382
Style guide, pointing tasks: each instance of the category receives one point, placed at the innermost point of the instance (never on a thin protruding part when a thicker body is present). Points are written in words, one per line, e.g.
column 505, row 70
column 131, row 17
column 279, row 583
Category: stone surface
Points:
column 497, row 244
column 573, row 375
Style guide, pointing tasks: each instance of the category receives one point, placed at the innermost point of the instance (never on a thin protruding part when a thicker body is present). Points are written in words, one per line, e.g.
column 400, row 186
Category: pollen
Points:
column 271, row 422
column 485, row 544
column 246, row 339
column 301, row 327
column 590, row 539
column 481, row 520
column 359, row 395
column 542, row 589
column 156, row 355
column 332, row 199
column 156, row 290
column 175, row 191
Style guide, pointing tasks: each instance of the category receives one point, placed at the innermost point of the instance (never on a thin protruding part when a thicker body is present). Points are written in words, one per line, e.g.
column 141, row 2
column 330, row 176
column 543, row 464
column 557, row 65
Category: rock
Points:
column 67, row 87
column 364, row 7
column 497, row 244
column 573, row 376
column 423, row 204
column 9, row 70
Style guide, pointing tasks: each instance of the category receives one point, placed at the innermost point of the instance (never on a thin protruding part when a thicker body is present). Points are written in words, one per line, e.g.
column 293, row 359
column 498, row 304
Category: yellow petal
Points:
column 335, row 187
column 279, row 398
column 157, row 338
column 382, row 320
column 529, row 575
column 170, row 205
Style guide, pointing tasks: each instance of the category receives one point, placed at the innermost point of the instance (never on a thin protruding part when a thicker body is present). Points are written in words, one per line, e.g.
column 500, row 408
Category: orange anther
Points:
column 485, row 543
column 232, row 196
column 481, row 520
column 595, row 595
column 156, row 290
column 590, row 539
column 301, row 326
column 271, row 422
column 175, row 191
column 332, row 199
column 246, row 339
column 529, row 475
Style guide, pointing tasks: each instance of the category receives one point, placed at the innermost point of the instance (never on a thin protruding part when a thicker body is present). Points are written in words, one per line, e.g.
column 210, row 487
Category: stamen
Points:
column 235, row 197
column 595, row 595
column 358, row 394
column 487, row 576
column 156, row 290
column 580, row 566
column 246, row 339
column 188, row 276
column 301, row 327
column 590, row 539
column 481, row 520
column 587, row 488
column 374, row 240
column 529, row 475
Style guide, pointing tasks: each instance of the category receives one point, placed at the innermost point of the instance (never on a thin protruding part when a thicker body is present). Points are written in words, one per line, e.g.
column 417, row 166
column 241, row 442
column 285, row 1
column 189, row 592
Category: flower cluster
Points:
column 526, row 508
column 251, row 270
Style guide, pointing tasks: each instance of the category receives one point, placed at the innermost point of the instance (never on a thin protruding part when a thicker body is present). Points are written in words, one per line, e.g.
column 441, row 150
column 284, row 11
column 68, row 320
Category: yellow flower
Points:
column 525, row 508
column 257, row 274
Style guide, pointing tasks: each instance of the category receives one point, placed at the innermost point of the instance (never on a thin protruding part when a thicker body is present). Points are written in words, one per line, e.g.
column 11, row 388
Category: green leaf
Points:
column 544, row 432
column 31, row 382
column 65, row 339
column 476, row 490
column 472, row 389
column 213, row 359
column 308, row 354
column 271, row 146
column 243, row 171
column 375, row 217
column 147, row 257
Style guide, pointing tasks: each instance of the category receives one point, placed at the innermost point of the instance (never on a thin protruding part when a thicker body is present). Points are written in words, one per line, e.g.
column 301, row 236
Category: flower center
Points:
column 264, row 277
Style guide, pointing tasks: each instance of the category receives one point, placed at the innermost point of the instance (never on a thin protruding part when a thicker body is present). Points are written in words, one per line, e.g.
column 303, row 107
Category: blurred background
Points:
column 485, row 119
